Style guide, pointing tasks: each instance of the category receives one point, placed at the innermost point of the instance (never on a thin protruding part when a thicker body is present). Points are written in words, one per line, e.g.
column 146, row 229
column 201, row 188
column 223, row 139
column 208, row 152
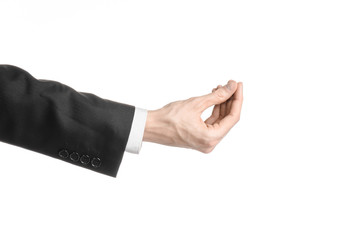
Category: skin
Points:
column 179, row 123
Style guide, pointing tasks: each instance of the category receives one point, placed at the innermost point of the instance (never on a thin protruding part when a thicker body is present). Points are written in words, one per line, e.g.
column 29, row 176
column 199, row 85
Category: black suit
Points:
column 53, row 119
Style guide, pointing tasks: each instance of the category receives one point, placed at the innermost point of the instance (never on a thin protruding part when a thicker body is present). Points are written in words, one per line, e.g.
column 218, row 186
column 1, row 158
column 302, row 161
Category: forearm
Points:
column 160, row 129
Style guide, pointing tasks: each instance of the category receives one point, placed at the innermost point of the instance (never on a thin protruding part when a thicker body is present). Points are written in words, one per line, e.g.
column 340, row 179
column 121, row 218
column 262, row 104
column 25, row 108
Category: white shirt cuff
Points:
column 134, row 143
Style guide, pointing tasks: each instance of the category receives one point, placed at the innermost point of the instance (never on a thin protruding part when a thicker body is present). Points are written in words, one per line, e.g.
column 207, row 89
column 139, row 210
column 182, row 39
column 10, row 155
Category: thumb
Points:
column 219, row 96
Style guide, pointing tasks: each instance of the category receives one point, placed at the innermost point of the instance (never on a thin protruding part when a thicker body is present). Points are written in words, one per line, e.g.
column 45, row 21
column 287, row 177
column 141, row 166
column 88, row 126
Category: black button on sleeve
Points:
column 96, row 162
column 85, row 159
column 74, row 156
column 63, row 153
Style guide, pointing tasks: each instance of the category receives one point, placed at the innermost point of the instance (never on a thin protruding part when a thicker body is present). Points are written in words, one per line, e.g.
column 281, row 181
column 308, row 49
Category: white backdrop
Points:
column 290, row 169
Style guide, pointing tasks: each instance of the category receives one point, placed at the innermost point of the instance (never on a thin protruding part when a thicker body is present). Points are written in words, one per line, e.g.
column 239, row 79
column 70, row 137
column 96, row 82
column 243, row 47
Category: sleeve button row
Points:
column 84, row 159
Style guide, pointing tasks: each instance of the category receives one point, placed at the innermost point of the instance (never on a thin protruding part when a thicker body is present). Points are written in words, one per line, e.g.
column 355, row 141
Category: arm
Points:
column 88, row 131
column 179, row 123
column 54, row 119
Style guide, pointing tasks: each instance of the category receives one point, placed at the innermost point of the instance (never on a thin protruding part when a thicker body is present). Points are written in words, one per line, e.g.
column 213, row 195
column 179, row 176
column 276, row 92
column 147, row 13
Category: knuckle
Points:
column 208, row 141
column 206, row 151
column 204, row 142
column 192, row 99
column 220, row 94
column 210, row 149
column 194, row 102
column 209, row 144
column 235, row 117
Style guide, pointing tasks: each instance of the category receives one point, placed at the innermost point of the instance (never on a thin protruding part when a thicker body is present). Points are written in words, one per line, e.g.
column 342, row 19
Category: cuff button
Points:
column 85, row 159
column 96, row 162
column 74, row 156
column 63, row 153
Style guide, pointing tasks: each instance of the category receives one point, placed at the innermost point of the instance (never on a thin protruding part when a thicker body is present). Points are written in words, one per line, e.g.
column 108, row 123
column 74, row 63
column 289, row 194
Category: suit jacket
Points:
column 53, row 119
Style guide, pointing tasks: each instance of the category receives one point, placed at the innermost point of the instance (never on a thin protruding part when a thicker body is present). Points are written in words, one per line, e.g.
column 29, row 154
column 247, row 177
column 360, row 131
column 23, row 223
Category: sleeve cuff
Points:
column 134, row 142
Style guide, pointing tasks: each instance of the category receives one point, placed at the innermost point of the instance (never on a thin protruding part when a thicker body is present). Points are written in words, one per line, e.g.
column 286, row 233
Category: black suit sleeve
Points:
column 53, row 119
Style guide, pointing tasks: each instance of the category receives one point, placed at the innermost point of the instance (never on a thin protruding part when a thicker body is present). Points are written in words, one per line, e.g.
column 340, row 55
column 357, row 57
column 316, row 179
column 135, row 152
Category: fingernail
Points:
column 229, row 85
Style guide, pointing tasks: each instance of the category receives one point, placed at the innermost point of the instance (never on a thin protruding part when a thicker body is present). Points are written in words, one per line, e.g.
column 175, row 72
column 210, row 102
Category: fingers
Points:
column 214, row 116
column 215, row 112
column 219, row 96
column 229, row 104
column 217, row 125
column 233, row 116
column 225, row 108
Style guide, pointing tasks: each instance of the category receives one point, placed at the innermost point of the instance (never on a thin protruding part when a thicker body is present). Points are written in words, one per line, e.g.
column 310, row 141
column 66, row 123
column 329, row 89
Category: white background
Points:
column 290, row 169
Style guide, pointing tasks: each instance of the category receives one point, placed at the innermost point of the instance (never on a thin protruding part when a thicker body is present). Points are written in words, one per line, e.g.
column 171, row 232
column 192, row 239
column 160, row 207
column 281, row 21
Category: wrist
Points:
column 155, row 128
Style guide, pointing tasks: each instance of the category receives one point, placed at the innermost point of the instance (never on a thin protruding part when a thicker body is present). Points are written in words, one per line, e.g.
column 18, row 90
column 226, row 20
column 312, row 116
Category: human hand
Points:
column 180, row 124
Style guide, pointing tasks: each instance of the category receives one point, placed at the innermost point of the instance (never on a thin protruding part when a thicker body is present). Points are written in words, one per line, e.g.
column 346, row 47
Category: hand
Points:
column 180, row 124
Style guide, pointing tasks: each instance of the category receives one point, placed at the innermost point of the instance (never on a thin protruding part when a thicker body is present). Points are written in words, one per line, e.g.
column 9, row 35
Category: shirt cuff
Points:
column 134, row 142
